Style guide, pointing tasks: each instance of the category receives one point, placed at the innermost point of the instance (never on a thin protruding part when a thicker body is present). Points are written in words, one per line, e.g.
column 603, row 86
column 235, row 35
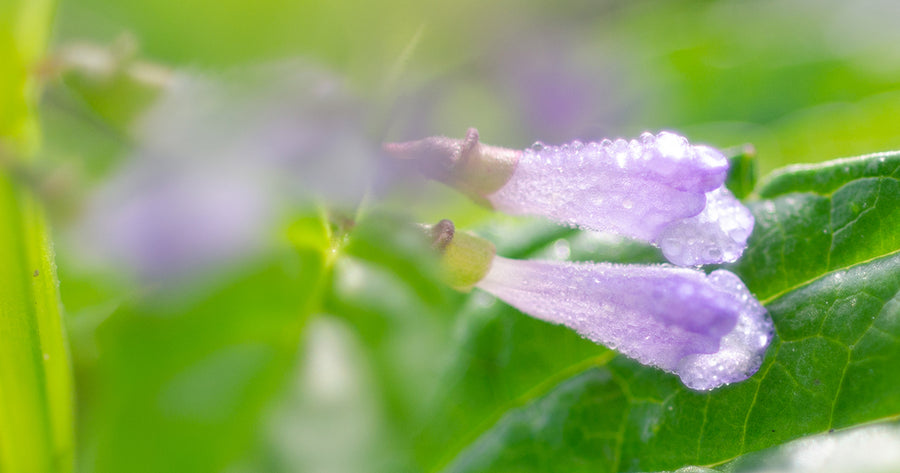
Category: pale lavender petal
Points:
column 635, row 188
column 709, row 330
column 718, row 234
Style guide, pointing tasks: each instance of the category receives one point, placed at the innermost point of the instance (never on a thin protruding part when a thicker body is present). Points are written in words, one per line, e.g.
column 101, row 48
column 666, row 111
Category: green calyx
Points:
column 476, row 169
column 465, row 258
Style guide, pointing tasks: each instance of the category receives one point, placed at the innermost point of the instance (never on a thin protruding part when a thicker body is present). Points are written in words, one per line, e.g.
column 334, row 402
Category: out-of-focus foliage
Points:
column 724, row 72
column 331, row 344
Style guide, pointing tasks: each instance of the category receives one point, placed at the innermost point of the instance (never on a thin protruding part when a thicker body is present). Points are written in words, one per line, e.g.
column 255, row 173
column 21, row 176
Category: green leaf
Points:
column 872, row 448
column 819, row 218
column 526, row 396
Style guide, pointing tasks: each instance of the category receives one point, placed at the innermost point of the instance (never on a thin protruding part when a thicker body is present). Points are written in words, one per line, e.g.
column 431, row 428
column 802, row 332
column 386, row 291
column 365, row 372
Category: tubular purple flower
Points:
column 659, row 189
column 707, row 329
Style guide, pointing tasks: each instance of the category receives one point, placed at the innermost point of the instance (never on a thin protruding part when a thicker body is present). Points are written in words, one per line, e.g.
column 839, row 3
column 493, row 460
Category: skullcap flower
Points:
column 707, row 329
column 659, row 188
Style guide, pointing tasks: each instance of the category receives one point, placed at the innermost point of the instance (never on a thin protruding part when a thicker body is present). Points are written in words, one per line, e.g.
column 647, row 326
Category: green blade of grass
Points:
column 36, row 433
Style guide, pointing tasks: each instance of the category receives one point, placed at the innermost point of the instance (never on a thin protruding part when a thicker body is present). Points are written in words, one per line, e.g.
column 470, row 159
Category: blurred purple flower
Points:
column 559, row 86
column 707, row 329
column 658, row 189
column 218, row 160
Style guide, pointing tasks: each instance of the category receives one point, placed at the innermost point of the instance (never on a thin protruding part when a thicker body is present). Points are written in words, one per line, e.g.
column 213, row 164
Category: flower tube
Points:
column 707, row 329
column 659, row 188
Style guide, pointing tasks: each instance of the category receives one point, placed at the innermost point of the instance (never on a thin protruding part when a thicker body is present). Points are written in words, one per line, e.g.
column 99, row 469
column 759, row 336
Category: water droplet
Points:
column 538, row 146
column 561, row 249
column 484, row 299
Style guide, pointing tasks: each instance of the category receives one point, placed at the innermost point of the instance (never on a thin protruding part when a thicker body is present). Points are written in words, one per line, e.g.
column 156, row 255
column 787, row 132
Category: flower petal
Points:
column 717, row 234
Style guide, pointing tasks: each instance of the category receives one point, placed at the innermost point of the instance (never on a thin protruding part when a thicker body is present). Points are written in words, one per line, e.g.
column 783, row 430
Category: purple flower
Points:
column 658, row 189
column 707, row 329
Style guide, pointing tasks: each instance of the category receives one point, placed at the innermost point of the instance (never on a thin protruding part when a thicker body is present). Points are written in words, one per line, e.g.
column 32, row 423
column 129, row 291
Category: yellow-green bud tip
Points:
column 465, row 258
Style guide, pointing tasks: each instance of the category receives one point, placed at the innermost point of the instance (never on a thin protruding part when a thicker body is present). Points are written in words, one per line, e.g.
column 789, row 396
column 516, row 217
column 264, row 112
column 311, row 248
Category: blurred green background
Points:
column 802, row 80
column 335, row 347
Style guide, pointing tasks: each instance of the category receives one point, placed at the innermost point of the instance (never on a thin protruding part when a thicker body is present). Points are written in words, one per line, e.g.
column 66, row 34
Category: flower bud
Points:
column 465, row 258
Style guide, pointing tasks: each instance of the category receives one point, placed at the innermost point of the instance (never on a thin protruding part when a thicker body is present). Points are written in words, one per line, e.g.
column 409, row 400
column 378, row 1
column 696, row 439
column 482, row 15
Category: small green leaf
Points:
column 742, row 170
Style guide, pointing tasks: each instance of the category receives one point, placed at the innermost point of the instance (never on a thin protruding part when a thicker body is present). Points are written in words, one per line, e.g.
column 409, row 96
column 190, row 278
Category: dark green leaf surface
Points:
column 532, row 397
